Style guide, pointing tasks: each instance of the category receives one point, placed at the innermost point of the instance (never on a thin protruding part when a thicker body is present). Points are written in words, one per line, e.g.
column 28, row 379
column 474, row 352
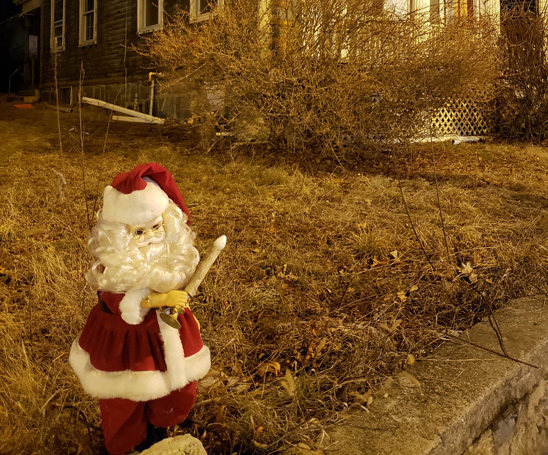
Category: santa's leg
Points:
column 173, row 408
column 124, row 424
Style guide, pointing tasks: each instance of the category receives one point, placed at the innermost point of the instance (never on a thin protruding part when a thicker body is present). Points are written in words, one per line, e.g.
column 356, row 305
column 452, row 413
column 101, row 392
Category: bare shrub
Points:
column 324, row 74
column 523, row 91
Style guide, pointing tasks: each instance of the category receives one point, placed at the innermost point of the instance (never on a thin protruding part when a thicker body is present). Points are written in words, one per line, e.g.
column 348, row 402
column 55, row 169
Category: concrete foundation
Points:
column 463, row 400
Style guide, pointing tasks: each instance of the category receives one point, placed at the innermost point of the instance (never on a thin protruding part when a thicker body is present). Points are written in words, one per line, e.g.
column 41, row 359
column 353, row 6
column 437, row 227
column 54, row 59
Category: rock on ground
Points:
column 179, row 445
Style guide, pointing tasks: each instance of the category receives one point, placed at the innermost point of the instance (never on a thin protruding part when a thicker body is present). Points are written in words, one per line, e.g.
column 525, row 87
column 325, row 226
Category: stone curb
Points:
column 469, row 401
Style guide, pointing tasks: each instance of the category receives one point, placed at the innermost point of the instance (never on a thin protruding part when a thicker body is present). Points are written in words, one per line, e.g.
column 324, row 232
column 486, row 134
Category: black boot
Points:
column 154, row 435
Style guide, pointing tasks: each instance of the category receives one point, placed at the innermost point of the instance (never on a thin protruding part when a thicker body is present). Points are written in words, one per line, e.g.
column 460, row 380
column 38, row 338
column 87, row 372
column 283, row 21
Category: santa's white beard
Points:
column 122, row 266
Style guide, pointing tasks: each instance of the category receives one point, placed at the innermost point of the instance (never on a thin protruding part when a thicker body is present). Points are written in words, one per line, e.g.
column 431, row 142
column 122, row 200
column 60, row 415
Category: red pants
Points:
column 125, row 421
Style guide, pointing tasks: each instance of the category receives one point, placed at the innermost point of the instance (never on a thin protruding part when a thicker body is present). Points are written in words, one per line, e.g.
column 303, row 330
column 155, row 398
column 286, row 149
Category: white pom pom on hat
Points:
column 141, row 195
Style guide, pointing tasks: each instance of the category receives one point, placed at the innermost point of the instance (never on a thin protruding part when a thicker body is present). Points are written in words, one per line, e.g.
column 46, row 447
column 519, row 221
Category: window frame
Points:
column 54, row 47
column 141, row 17
column 195, row 15
column 82, row 41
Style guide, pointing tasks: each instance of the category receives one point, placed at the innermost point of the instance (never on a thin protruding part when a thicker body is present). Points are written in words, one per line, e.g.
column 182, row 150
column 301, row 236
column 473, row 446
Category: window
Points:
column 464, row 8
column 57, row 25
column 460, row 9
column 150, row 15
column 200, row 10
column 399, row 7
column 88, row 23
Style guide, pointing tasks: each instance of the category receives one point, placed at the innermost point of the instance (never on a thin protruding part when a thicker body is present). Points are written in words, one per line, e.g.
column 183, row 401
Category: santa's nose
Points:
column 149, row 235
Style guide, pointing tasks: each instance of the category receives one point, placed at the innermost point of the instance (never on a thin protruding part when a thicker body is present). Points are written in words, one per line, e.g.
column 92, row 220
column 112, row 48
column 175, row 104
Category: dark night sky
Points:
column 8, row 9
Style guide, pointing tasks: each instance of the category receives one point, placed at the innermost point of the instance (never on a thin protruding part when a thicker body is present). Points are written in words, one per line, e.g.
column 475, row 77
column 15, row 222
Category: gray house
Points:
column 92, row 41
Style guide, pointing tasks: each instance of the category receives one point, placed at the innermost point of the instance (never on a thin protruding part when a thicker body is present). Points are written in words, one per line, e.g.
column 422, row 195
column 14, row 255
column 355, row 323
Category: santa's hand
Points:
column 176, row 299
column 168, row 299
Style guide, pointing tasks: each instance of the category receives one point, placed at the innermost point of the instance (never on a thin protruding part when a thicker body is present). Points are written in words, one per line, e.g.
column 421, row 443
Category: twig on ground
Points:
column 413, row 226
column 492, row 351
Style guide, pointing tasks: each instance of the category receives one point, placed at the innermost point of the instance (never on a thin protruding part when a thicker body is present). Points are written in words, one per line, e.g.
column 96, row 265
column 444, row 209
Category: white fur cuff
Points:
column 130, row 306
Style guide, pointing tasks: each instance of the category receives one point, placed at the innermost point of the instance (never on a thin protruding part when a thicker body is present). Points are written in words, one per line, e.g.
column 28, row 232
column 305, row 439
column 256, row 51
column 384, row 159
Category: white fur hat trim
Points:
column 135, row 208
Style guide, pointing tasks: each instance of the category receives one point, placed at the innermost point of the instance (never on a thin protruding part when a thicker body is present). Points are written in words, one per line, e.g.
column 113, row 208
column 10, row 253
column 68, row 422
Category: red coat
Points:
column 139, row 361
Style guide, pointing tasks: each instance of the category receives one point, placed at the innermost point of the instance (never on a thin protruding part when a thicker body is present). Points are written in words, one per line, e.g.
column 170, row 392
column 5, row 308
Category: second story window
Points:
column 88, row 22
column 150, row 15
column 57, row 25
column 201, row 9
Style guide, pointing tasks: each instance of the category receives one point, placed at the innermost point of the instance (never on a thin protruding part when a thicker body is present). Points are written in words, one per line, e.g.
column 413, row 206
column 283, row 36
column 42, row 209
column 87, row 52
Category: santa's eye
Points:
column 139, row 232
column 155, row 227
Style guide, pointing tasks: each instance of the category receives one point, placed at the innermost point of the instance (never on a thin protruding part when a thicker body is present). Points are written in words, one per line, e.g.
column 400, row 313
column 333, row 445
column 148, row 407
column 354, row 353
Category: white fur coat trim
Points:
column 136, row 385
column 130, row 306
column 174, row 354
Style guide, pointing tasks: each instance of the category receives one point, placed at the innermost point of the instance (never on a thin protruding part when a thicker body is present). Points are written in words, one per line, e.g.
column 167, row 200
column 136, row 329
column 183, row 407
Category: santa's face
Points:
column 158, row 254
column 148, row 233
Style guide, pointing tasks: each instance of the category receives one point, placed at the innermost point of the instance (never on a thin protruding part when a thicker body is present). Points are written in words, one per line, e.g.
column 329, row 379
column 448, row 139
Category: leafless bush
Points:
column 324, row 74
column 523, row 92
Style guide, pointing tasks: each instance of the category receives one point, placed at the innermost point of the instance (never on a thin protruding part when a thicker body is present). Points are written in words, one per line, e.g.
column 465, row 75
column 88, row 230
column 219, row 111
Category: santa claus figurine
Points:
column 142, row 369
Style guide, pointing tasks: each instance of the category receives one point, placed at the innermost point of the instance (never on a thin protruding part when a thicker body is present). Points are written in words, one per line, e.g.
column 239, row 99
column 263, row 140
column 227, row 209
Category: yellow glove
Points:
column 167, row 299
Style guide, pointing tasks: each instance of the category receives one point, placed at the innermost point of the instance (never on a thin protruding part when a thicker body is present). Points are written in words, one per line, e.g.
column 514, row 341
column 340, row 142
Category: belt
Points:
column 103, row 306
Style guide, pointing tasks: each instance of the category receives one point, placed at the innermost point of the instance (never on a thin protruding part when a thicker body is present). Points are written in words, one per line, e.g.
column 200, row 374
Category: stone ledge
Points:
column 469, row 401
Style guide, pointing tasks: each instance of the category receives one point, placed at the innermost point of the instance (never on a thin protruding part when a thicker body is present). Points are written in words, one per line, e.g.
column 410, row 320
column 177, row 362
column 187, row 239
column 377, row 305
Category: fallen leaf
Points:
column 375, row 262
column 220, row 418
column 320, row 346
column 385, row 387
column 232, row 381
column 408, row 376
column 241, row 388
column 271, row 367
column 392, row 329
column 467, row 269
column 208, row 382
column 385, row 327
column 363, row 398
column 410, row 359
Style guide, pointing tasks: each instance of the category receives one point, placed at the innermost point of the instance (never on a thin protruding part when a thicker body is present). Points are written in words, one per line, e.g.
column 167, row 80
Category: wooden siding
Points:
column 111, row 59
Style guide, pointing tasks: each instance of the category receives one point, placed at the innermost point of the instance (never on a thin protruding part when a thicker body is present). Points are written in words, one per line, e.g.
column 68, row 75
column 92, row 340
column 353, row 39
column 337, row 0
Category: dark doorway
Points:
column 19, row 50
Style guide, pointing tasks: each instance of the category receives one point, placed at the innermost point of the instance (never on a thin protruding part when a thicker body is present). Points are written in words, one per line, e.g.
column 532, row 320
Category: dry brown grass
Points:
column 321, row 294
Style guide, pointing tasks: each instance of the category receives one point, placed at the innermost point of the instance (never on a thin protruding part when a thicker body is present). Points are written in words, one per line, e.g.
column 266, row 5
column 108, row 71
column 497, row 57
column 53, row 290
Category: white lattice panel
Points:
column 462, row 117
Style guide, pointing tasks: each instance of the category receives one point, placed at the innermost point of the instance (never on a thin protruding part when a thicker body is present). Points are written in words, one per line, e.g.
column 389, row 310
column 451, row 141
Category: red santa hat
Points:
column 141, row 195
